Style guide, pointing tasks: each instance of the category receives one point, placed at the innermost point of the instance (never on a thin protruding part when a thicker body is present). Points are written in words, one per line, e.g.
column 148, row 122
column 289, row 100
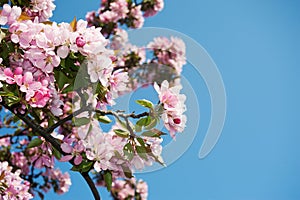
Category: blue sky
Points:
column 256, row 47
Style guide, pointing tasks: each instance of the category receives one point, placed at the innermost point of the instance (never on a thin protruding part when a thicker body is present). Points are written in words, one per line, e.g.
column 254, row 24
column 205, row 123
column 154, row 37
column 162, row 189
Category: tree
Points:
column 58, row 83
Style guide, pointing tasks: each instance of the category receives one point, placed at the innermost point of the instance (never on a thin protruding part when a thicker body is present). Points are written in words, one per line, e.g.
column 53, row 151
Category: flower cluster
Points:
column 61, row 182
column 111, row 14
column 173, row 105
column 129, row 189
column 12, row 186
column 9, row 14
column 169, row 52
column 41, row 8
column 152, row 7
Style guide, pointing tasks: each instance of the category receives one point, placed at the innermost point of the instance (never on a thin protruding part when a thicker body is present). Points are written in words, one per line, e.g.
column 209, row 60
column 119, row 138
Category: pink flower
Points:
column 29, row 86
column 118, row 83
column 99, row 69
column 40, row 98
column 169, row 52
column 13, row 77
column 137, row 14
column 154, row 9
column 80, row 42
column 63, row 180
column 142, row 189
column 42, row 9
column 9, row 15
column 20, row 161
column 173, row 104
column 75, row 151
column 12, row 185
column 5, row 142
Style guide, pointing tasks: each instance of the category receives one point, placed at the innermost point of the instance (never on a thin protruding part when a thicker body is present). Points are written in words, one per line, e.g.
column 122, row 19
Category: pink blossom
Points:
column 173, row 104
column 9, row 14
column 42, row 9
column 142, row 189
column 127, row 189
column 20, row 161
column 13, row 77
column 169, row 52
column 137, row 14
column 119, row 39
column 12, row 185
column 99, row 69
column 75, row 148
column 5, row 142
column 80, row 42
column 158, row 6
column 29, row 86
column 63, row 180
column 118, row 83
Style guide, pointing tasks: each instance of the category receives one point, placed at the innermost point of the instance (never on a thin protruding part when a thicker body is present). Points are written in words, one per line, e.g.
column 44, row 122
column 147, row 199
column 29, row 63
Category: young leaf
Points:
column 145, row 103
column 128, row 151
column 81, row 121
column 103, row 119
column 153, row 133
column 144, row 121
column 142, row 152
column 86, row 166
column 127, row 171
column 35, row 142
column 121, row 133
column 108, row 179
column 152, row 124
column 56, row 153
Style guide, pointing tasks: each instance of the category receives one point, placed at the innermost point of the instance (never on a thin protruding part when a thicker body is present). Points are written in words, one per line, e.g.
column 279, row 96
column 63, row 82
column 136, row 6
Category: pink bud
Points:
column 177, row 121
column 80, row 42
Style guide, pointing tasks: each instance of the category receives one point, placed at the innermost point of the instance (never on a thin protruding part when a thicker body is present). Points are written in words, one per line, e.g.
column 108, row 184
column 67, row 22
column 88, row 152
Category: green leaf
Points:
column 121, row 133
column 86, row 166
column 142, row 152
column 67, row 89
column 62, row 79
column 141, row 141
column 108, row 179
column 6, row 94
column 152, row 124
column 149, row 134
column 11, row 100
column 103, row 119
column 35, row 142
column 127, row 171
column 128, row 151
column 138, row 128
column 76, row 168
column 144, row 121
column 81, row 121
column 153, row 133
column 145, row 103
column 56, row 153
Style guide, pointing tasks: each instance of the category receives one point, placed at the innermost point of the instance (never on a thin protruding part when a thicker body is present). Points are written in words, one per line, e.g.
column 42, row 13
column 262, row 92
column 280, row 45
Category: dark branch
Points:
column 64, row 120
column 91, row 184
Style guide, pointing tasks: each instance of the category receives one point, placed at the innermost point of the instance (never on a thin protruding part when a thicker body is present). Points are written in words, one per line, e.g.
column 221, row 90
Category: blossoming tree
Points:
column 58, row 83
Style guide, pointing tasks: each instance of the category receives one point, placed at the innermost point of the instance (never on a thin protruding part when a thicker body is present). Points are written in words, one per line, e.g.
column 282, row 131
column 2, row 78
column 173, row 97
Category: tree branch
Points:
column 64, row 120
column 91, row 184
